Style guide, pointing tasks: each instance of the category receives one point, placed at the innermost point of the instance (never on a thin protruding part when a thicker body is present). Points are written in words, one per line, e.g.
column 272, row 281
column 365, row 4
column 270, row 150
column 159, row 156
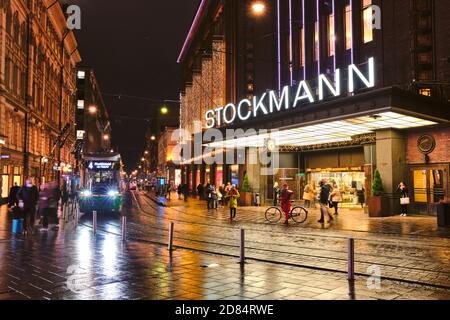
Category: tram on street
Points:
column 102, row 183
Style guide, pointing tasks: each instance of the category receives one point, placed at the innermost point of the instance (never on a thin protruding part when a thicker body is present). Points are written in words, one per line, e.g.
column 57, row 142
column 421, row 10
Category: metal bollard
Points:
column 170, row 248
column 124, row 228
column 94, row 222
column 351, row 259
column 242, row 247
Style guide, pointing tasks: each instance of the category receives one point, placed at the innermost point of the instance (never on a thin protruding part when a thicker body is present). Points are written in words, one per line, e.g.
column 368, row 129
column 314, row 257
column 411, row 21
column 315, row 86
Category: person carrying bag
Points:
column 404, row 198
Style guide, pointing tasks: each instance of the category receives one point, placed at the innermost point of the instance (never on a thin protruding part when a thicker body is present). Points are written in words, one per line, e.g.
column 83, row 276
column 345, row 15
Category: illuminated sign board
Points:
column 291, row 97
column 100, row 165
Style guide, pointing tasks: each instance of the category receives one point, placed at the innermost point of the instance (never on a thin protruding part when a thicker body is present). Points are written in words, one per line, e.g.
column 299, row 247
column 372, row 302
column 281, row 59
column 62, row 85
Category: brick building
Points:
column 356, row 89
column 38, row 56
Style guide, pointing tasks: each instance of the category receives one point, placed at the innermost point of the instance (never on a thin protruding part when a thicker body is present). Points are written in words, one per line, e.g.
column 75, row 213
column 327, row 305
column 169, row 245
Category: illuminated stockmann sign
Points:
column 272, row 102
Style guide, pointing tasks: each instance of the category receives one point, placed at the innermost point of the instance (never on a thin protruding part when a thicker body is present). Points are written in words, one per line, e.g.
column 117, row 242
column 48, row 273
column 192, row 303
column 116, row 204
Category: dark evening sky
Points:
column 133, row 46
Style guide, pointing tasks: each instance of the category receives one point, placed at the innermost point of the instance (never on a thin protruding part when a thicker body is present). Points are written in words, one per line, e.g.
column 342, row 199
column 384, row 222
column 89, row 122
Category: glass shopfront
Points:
column 428, row 187
column 348, row 180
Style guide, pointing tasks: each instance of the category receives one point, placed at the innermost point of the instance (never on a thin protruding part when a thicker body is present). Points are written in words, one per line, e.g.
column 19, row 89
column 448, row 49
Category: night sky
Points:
column 133, row 46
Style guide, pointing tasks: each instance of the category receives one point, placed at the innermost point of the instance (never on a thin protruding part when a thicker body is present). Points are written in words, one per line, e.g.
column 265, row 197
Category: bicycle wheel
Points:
column 273, row 215
column 299, row 214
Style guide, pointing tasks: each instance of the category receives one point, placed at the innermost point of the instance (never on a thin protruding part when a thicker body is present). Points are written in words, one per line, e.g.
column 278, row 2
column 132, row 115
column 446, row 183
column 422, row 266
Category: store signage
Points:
column 5, row 156
column 290, row 97
column 104, row 165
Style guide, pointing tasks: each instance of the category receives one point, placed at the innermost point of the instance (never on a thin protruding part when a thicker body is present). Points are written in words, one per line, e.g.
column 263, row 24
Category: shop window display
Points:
column 348, row 182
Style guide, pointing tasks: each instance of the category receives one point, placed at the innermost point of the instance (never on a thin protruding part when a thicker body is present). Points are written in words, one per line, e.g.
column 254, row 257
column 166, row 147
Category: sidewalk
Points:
column 349, row 220
column 73, row 264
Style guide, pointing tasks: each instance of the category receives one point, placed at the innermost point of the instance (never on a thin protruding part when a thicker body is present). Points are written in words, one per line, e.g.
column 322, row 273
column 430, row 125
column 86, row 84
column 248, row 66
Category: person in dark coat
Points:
column 28, row 197
column 200, row 191
column 13, row 201
column 361, row 194
column 185, row 192
column 325, row 191
column 48, row 205
column 404, row 194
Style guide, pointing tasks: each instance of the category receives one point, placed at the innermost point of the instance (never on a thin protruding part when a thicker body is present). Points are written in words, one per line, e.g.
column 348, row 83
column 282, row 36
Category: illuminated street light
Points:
column 106, row 137
column 143, row 159
column 258, row 8
column 164, row 110
column 146, row 152
column 92, row 109
column 153, row 138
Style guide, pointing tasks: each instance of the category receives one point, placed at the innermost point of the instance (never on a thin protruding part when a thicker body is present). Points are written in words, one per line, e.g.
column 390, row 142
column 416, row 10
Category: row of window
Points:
column 367, row 32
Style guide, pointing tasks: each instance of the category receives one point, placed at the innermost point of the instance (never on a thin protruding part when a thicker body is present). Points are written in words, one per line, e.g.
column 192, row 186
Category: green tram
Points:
column 101, row 183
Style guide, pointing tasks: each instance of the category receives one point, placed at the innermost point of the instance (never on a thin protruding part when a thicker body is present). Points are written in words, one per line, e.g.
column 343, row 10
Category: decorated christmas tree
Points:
column 246, row 184
column 377, row 185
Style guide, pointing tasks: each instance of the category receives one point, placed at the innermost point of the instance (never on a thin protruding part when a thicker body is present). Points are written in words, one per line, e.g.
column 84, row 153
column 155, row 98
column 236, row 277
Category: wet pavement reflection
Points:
column 284, row 263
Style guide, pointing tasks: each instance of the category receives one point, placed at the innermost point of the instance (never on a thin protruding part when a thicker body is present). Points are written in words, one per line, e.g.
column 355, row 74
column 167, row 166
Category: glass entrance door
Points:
column 429, row 188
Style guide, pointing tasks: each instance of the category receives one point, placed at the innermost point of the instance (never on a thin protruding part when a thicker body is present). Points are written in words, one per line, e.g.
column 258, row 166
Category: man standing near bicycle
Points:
column 285, row 201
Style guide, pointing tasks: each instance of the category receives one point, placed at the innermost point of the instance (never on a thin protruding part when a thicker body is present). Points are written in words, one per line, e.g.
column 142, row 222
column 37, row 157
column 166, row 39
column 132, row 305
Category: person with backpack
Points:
column 28, row 197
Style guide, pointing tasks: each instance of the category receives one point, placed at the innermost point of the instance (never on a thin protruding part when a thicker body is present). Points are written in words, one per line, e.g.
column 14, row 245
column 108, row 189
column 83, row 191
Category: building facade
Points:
column 38, row 56
column 167, row 168
column 93, row 124
column 351, row 86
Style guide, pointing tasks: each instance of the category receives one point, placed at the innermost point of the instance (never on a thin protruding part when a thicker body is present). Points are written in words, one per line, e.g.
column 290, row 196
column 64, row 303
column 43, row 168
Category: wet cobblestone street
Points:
column 295, row 263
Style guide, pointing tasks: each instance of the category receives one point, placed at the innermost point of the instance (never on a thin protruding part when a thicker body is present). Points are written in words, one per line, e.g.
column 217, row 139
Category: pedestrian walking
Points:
column 185, row 192
column 48, row 205
column 361, row 195
column 226, row 190
column 335, row 199
column 209, row 189
column 215, row 198
column 200, row 191
column 232, row 198
column 325, row 191
column 12, row 199
column 276, row 194
column 220, row 197
column 285, row 200
column 179, row 191
column 309, row 195
column 404, row 198
column 28, row 197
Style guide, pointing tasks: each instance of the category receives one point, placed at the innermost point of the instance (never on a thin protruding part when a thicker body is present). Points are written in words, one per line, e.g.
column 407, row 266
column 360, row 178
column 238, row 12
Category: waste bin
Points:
column 443, row 214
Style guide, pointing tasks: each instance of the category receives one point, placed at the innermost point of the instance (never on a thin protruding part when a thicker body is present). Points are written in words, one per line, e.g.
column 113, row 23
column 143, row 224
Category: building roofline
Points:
column 194, row 27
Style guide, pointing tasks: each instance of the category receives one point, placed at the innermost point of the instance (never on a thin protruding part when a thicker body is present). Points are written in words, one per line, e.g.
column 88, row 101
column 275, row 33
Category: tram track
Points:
column 139, row 232
column 305, row 236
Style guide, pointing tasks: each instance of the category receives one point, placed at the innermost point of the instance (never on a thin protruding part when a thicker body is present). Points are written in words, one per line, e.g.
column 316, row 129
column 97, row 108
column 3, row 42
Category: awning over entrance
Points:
column 329, row 132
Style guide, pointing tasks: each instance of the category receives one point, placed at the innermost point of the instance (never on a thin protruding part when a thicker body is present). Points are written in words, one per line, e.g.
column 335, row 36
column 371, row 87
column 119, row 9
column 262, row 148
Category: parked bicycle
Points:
column 298, row 214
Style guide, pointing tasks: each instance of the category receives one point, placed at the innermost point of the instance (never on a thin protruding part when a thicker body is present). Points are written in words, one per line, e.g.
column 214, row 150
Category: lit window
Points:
column 367, row 21
column 80, row 104
column 316, row 41
column 80, row 134
column 425, row 92
column 81, row 75
column 302, row 47
column 331, row 36
column 348, row 28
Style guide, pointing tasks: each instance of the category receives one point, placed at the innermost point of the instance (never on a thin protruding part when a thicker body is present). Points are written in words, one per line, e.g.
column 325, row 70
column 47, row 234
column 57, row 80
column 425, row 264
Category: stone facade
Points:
column 34, row 60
